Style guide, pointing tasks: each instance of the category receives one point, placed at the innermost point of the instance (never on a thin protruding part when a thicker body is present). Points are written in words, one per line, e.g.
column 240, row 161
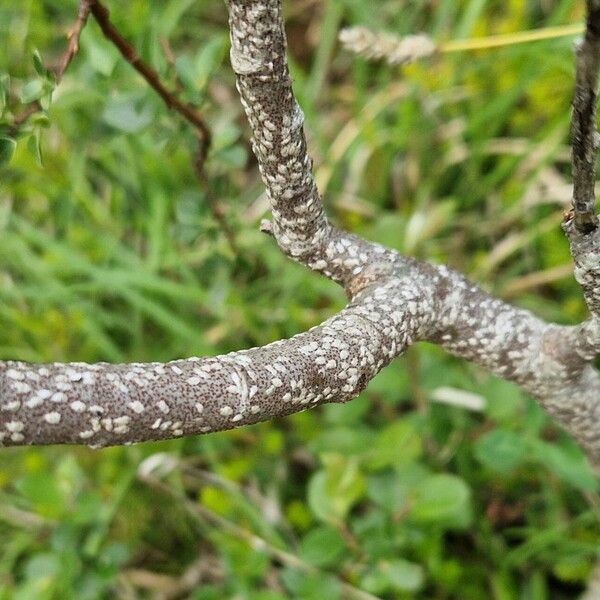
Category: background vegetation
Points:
column 440, row 481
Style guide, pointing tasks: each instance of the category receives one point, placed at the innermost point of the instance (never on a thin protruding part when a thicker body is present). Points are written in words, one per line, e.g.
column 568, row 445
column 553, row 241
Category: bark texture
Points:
column 394, row 302
column 585, row 137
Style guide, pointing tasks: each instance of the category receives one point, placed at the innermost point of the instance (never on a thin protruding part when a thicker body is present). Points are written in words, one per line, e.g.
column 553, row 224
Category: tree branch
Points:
column 394, row 301
column 102, row 16
column 584, row 135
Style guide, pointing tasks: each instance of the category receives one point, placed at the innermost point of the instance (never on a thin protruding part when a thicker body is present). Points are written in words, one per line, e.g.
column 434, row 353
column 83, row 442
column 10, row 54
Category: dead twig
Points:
column 102, row 16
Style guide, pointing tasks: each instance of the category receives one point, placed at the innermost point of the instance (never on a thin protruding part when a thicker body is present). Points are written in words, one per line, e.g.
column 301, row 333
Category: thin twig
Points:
column 198, row 160
column 583, row 125
column 74, row 36
column 23, row 117
column 187, row 111
column 102, row 16
column 214, row 206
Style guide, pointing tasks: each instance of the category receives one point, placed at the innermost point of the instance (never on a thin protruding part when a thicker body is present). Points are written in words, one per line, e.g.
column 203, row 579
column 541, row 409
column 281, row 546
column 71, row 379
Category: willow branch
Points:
column 102, row 16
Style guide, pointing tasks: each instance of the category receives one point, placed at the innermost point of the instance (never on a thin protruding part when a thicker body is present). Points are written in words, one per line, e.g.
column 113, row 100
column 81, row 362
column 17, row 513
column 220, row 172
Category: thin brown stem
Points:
column 65, row 60
column 102, row 16
column 23, row 117
column 74, row 36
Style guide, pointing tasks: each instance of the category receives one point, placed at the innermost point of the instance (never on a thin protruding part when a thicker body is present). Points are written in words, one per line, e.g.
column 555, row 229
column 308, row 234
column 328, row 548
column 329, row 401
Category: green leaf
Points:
column 34, row 145
column 394, row 575
column 322, row 547
column 7, row 150
column 32, row 90
column 170, row 16
column 403, row 575
column 196, row 72
column 38, row 64
column 392, row 383
column 572, row 569
column 388, row 491
column 102, row 57
column 310, row 586
column 41, row 489
column 121, row 113
column 443, row 500
column 501, row 450
column 41, row 566
column 4, row 89
column 567, row 463
column 505, row 399
column 333, row 491
column 398, row 444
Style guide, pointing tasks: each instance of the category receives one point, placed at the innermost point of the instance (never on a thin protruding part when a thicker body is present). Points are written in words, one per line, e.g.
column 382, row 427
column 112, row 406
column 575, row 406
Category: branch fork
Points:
column 394, row 301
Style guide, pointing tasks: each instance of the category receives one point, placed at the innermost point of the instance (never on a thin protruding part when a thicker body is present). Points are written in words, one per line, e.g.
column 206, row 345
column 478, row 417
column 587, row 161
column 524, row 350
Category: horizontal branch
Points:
column 107, row 404
column 395, row 304
column 394, row 301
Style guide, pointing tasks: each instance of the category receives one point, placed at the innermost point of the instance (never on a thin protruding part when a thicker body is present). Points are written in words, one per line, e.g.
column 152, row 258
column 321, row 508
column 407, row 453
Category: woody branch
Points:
column 394, row 301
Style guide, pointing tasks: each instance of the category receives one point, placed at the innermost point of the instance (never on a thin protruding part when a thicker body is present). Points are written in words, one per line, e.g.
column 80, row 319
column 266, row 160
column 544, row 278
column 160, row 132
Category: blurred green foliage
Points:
column 109, row 251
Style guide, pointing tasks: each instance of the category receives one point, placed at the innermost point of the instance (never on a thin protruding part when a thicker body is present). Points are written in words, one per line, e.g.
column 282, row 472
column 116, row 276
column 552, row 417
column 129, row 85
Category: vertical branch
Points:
column 581, row 225
column 584, row 133
column 258, row 57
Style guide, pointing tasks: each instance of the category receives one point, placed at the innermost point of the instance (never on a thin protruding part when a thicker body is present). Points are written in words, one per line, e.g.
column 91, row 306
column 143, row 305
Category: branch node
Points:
column 266, row 226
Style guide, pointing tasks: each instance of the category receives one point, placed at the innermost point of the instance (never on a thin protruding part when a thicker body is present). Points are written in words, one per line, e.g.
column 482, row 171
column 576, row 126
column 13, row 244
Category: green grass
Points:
column 109, row 251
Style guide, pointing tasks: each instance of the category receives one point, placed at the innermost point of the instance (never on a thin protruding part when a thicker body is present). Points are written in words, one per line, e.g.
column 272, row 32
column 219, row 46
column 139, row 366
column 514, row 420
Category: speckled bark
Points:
column 394, row 301
column 107, row 404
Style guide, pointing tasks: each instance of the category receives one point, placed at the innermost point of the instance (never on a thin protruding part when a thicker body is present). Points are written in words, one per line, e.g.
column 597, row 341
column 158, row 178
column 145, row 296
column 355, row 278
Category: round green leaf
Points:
column 501, row 450
column 443, row 500
column 322, row 547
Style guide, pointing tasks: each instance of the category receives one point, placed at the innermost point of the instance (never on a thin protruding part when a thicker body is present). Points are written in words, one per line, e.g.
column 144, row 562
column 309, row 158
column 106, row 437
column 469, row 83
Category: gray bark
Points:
column 394, row 302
